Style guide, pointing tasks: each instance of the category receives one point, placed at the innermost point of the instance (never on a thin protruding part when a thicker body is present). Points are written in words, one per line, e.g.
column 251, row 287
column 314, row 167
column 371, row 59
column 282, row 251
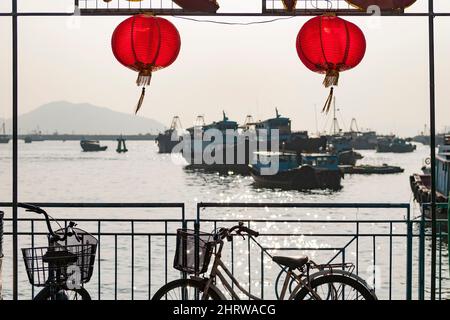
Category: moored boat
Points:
column 92, row 146
column 4, row 138
column 421, row 183
column 296, row 172
column 370, row 169
column 395, row 145
column 170, row 138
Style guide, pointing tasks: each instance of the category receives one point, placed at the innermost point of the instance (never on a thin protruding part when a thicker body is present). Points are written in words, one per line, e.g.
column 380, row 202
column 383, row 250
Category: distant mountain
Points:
column 83, row 118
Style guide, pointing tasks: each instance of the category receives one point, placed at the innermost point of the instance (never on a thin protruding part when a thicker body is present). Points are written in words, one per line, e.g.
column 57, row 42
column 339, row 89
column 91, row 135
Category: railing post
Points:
column 1, row 252
column 422, row 255
column 15, row 108
column 409, row 261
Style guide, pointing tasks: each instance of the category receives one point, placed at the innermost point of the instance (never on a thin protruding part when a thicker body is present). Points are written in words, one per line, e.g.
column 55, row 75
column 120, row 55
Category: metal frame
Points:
column 15, row 14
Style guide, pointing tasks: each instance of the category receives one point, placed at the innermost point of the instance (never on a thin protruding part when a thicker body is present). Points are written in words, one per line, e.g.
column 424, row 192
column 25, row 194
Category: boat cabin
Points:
column 321, row 160
column 443, row 168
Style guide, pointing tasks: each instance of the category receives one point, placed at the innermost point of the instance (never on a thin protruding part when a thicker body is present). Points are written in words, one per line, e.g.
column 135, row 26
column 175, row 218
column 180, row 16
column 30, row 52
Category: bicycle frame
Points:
column 216, row 273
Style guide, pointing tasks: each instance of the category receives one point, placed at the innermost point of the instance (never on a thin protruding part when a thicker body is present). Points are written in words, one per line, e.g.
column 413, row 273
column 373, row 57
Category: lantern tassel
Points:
column 141, row 100
column 327, row 105
column 331, row 78
column 144, row 78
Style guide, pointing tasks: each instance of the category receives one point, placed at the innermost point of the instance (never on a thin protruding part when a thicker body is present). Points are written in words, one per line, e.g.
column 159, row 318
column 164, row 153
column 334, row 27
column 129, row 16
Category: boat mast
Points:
column 335, row 124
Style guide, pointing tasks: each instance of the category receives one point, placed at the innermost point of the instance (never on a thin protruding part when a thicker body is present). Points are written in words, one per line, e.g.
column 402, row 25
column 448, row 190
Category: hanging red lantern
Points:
column 145, row 43
column 328, row 44
column 384, row 5
column 289, row 5
column 210, row 6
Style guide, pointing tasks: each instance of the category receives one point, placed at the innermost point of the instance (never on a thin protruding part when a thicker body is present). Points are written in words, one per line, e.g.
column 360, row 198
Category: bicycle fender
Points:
column 344, row 273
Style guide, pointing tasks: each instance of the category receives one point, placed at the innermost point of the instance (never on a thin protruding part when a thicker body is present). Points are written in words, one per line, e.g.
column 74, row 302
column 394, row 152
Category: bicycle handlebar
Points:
column 238, row 230
column 56, row 237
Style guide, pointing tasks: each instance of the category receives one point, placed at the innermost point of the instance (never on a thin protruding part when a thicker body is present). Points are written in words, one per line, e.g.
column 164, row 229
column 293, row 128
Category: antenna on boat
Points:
column 276, row 112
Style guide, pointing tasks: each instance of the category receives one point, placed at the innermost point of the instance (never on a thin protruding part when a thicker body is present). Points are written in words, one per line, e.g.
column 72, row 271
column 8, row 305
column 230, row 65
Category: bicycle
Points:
column 65, row 265
column 193, row 254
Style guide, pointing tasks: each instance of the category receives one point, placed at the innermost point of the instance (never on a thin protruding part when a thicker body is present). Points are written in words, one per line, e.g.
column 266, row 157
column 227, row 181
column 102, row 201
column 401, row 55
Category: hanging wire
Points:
column 234, row 23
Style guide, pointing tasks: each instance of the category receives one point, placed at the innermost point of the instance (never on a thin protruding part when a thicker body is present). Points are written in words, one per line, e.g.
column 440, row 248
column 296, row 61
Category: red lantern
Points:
column 328, row 44
column 382, row 4
column 210, row 6
column 145, row 43
column 289, row 5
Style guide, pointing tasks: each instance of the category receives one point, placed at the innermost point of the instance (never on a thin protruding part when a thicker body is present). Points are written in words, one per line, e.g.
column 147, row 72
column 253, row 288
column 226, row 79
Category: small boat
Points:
column 4, row 138
column 369, row 169
column 395, row 145
column 92, row 145
column 297, row 172
column 170, row 138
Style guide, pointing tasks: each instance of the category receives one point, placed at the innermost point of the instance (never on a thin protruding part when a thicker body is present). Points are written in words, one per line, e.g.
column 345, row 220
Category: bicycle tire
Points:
column 161, row 294
column 364, row 292
column 45, row 294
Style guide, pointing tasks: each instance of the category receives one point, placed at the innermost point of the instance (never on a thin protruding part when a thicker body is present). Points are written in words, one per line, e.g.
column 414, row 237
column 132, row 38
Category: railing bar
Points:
column 149, row 267
column 262, row 274
column 132, row 260
column 249, row 263
column 115, row 267
column 357, row 248
column 390, row 264
column 165, row 252
column 99, row 259
column 374, row 261
column 32, row 260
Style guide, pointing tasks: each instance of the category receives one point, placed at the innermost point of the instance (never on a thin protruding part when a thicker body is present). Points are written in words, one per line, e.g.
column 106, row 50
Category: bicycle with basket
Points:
column 194, row 253
column 65, row 265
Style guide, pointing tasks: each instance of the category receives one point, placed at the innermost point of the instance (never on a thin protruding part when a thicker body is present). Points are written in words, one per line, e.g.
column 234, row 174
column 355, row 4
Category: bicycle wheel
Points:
column 76, row 294
column 335, row 287
column 185, row 289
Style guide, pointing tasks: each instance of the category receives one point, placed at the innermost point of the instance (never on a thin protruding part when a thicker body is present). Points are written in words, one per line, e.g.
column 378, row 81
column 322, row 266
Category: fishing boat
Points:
column 170, row 138
column 370, row 169
column 395, row 145
column 297, row 172
column 35, row 136
column 92, row 146
column 296, row 141
column 420, row 183
column 341, row 147
column 4, row 138
column 230, row 154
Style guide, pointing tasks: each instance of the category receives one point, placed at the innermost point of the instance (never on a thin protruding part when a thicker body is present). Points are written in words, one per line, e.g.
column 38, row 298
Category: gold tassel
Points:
column 327, row 105
column 141, row 100
column 331, row 78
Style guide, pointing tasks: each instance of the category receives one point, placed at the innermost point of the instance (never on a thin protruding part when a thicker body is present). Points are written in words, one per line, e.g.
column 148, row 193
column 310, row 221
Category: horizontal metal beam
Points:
column 99, row 205
column 179, row 12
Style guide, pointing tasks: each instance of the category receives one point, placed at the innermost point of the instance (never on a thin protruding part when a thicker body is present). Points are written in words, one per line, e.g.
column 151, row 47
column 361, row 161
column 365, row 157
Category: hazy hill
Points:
column 83, row 118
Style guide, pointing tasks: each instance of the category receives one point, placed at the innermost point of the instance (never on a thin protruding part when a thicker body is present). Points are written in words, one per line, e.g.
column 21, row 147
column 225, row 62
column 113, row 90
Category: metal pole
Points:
column 15, row 149
column 432, row 148
column 1, row 253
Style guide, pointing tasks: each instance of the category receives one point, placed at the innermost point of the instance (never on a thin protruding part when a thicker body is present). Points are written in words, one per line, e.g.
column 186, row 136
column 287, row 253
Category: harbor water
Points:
column 53, row 171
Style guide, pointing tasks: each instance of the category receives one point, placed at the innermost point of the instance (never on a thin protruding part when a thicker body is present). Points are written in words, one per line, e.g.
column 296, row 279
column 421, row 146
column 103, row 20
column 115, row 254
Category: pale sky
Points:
column 240, row 69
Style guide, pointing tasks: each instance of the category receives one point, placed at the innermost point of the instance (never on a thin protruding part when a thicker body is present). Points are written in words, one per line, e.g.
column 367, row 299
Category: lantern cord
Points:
column 235, row 23
column 327, row 105
column 141, row 100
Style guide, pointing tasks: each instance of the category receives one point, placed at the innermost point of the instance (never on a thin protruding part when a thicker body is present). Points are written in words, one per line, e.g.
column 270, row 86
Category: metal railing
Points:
column 135, row 248
column 388, row 247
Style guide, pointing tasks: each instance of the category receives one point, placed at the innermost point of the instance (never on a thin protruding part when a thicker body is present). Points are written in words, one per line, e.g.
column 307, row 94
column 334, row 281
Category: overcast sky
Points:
column 240, row 69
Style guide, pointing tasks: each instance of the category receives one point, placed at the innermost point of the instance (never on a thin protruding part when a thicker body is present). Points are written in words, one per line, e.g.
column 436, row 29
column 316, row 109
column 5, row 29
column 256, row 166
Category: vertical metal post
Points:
column 15, row 149
column 432, row 148
column 409, row 259
column 1, row 252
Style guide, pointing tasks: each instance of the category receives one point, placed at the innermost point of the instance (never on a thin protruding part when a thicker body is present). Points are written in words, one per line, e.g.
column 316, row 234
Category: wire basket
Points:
column 60, row 264
column 186, row 248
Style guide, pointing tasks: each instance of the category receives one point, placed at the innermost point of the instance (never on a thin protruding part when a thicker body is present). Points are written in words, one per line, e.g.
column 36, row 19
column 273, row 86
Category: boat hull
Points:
column 92, row 147
column 165, row 143
column 302, row 178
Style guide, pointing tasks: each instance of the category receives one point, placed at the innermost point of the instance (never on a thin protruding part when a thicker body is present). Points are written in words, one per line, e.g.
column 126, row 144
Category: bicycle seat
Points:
column 291, row 263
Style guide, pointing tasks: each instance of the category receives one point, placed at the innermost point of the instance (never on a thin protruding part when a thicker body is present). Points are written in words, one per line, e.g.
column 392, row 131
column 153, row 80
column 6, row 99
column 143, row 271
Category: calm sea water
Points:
column 61, row 172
